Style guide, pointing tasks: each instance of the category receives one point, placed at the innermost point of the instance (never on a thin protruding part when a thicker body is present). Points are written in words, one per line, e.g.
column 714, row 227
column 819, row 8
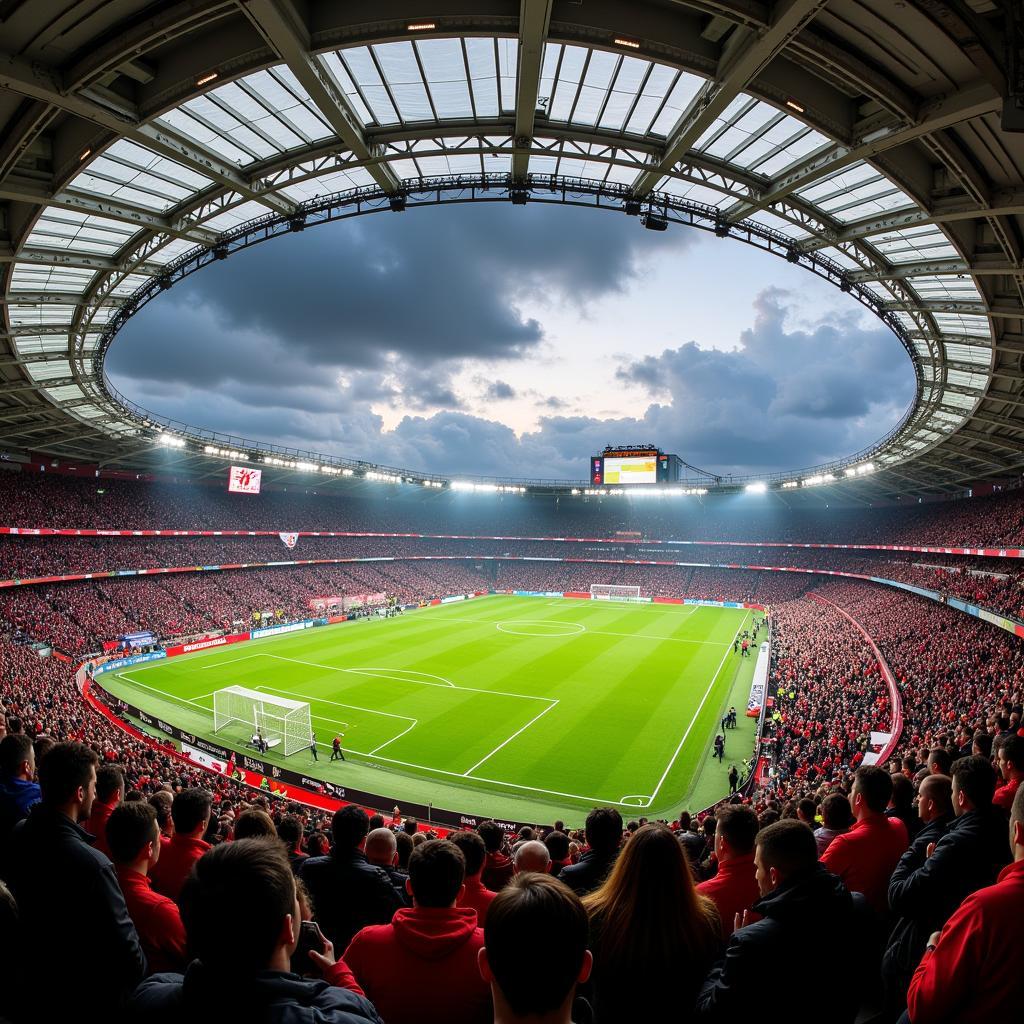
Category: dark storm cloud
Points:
column 499, row 391
column 298, row 342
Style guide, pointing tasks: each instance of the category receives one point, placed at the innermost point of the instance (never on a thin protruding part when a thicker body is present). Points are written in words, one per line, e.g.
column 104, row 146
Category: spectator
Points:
column 245, row 974
column 63, row 887
column 836, row 818
column 429, row 950
column 531, row 856
column 347, row 890
column 474, row 893
column 604, row 835
column 650, row 930
column 289, row 831
column 940, row 761
column 808, row 918
column 381, row 849
column 1010, row 762
column 535, row 951
column 901, row 804
column 19, row 793
column 109, row 793
column 733, row 888
column 190, row 813
column 134, row 839
column 254, row 823
column 161, row 802
column 864, row 857
column 912, row 883
column 498, row 869
column 557, row 843
column 970, row 972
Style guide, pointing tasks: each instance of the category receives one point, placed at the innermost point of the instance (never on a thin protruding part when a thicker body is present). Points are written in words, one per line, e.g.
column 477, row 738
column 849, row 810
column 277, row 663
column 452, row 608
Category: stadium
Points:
column 429, row 616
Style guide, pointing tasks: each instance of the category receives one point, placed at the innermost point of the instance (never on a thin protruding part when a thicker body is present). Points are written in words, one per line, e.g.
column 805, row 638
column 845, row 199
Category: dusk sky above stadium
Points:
column 500, row 341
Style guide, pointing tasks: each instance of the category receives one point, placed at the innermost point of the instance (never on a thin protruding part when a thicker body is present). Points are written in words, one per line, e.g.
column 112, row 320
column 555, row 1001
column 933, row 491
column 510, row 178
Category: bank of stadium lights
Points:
column 226, row 453
column 432, row 483
column 790, row 484
column 759, row 487
column 384, row 478
column 171, row 440
column 487, row 488
column 630, row 44
column 818, row 479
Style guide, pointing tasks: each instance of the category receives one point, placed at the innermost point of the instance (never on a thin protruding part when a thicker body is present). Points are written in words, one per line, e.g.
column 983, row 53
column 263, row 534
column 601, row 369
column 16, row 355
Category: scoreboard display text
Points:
column 629, row 468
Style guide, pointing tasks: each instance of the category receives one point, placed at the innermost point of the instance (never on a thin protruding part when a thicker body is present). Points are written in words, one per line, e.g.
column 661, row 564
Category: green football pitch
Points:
column 527, row 708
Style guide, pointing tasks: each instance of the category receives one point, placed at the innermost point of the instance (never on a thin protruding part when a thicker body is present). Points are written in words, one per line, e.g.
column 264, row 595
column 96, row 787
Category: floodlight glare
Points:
column 756, row 488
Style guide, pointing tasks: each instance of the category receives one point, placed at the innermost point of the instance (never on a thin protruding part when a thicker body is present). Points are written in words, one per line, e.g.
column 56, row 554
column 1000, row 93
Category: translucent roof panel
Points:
column 327, row 184
column 917, row 243
column 946, row 288
column 69, row 229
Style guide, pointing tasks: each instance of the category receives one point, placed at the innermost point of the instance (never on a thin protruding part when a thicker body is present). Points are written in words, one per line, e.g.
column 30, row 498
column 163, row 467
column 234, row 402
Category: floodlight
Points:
column 721, row 229
column 757, row 488
column 397, row 203
column 220, row 252
column 519, row 196
column 206, row 79
column 297, row 223
column 632, row 207
column 792, row 256
column 654, row 222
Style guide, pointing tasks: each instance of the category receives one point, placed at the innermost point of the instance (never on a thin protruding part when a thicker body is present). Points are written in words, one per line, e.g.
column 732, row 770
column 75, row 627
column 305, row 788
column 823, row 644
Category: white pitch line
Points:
column 536, row 718
column 164, row 693
column 703, row 701
column 419, row 682
column 336, row 703
column 398, row 675
column 393, row 738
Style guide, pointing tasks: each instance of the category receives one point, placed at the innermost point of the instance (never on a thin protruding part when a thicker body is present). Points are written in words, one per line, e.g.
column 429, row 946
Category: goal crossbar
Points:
column 278, row 719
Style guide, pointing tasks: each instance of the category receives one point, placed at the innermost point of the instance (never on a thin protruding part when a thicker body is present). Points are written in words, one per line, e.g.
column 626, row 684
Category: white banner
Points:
column 203, row 758
column 289, row 540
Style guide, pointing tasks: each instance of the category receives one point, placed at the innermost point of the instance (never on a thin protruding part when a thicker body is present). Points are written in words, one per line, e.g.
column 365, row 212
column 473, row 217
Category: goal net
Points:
column 281, row 722
column 608, row 592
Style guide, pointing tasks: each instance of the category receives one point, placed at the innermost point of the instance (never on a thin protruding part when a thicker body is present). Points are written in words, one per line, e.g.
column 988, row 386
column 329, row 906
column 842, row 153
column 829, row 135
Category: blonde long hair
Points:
column 648, row 910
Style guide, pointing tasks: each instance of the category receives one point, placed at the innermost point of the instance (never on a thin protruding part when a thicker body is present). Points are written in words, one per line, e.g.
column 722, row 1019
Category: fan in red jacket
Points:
column 866, row 856
column 109, row 793
column 971, row 971
column 734, row 887
column 422, row 968
column 191, row 814
column 134, row 837
column 475, row 894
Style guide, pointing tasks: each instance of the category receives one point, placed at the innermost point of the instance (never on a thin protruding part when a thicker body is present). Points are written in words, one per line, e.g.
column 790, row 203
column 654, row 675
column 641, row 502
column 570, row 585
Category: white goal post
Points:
column 609, row 592
column 279, row 719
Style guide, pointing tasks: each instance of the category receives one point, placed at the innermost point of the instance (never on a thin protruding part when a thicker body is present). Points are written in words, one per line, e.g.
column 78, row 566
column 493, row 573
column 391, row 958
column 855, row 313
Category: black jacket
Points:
column 924, row 891
column 809, row 925
column 589, row 872
column 271, row 998
column 348, row 894
column 69, row 907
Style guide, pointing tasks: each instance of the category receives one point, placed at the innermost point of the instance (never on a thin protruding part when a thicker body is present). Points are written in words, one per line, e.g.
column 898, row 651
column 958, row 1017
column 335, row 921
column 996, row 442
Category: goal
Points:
column 608, row 592
column 282, row 722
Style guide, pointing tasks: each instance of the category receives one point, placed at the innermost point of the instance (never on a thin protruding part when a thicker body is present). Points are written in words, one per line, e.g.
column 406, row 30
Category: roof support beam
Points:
column 979, row 267
column 125, row 213
column 54, row 299
column 745, row 57
column 285, row 30
column 42, row 83
column 969, row 308
column 1007, row 444
column 1004, row 203
column 974, row 101
column 534, row 21
column 85, row 261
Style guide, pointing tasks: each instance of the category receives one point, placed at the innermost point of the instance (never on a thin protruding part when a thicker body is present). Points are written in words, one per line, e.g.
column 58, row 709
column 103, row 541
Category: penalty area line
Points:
column 554, row 703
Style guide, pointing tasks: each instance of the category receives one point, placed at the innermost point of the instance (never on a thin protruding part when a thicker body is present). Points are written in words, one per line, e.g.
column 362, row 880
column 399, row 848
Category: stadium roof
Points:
column 879, row 143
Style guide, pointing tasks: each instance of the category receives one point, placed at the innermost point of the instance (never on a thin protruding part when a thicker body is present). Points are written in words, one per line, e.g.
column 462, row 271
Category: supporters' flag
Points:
column 289, row 539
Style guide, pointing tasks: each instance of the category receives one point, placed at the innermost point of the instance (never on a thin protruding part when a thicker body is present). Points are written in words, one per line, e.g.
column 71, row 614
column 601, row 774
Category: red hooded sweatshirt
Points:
column 974, row 974
column 422, row 968
column 478, row 898
column 733, row 889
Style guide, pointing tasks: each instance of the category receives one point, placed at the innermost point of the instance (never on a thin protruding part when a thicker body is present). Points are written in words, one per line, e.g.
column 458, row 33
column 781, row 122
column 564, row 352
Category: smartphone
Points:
column 311, row 939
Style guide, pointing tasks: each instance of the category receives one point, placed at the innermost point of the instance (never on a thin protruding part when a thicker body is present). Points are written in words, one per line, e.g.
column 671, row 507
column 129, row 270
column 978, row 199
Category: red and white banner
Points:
column 202, row 645
column 289, row 540
column 318, row 604
column 244, row 480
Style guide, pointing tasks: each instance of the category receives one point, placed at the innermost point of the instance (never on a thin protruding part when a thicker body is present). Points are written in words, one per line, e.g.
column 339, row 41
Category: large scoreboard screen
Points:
column 634, row 465
column 633, row 469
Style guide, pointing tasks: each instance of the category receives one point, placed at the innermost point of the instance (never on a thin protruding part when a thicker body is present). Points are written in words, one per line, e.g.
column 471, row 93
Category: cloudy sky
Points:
column 517, row 341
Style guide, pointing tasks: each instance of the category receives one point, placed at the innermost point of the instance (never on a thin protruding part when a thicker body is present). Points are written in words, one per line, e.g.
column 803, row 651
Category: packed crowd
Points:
column 36, row 500
column 200, row 897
